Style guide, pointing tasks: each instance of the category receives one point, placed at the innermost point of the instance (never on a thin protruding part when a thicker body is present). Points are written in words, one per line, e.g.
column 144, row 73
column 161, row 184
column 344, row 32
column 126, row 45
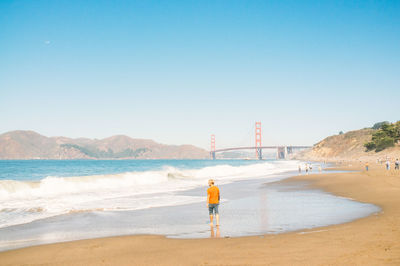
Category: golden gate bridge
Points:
column 282, row 151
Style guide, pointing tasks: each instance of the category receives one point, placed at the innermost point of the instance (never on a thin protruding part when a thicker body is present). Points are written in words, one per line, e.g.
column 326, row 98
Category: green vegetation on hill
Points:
column 100, row 154
column 380, row 124
column 386, row 136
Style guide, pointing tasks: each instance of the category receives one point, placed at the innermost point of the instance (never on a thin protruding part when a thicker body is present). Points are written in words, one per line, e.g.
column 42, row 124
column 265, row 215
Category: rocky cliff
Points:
column 348, row 146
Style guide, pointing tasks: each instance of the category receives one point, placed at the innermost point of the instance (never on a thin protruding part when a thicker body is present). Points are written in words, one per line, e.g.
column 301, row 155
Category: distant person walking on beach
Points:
column 366, row 166
column 213, row 198
column 299, row 169
column 306, row 168
column 387, row 165
column 397, row 164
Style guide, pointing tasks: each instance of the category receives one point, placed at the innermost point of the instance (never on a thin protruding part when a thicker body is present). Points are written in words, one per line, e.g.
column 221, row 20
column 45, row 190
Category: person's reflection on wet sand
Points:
column 215, row 234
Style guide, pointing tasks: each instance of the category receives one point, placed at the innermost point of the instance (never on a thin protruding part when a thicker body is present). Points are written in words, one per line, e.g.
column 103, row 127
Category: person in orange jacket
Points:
column 213, row 198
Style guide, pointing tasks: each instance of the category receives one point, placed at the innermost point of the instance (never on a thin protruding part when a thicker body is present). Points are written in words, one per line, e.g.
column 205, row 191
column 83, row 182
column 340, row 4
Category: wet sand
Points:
column 374, row 240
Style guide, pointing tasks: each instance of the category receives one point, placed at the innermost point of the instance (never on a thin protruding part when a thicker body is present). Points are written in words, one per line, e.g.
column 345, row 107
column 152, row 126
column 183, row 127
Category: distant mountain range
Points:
column 31, row 145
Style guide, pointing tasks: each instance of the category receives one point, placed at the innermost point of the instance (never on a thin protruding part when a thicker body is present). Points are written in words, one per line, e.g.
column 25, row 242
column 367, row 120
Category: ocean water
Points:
column 44, row 201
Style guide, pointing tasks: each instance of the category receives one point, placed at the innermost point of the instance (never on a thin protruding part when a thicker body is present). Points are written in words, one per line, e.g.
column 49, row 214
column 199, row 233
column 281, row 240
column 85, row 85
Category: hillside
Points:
column 348, row 146
column 31, row 145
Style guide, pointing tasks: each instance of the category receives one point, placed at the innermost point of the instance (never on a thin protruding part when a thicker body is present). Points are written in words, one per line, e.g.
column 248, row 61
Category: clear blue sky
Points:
column 177, row 71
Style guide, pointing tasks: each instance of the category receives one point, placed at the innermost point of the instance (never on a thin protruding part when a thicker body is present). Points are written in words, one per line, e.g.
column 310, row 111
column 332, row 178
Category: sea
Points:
column 49, row 201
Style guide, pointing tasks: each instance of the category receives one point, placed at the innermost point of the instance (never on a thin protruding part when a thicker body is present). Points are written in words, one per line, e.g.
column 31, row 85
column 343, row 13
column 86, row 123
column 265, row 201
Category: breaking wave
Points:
column 27, row 201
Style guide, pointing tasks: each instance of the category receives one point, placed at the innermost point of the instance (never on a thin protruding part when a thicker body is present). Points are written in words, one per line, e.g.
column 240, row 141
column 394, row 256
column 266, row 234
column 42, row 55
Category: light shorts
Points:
column 213, row 208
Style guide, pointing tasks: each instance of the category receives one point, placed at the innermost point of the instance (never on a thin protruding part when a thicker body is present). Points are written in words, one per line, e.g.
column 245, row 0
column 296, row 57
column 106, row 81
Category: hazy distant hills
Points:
column 31, row 145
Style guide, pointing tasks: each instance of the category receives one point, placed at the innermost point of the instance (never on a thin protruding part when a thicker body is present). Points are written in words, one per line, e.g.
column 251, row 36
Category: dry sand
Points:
column 373, row 240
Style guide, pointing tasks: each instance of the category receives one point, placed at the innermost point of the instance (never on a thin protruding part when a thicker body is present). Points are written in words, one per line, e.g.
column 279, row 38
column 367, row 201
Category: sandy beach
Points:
column 374, row 240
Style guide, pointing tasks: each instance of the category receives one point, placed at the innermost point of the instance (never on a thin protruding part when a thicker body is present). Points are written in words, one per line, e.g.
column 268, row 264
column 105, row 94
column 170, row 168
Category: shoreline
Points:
column 369, row 241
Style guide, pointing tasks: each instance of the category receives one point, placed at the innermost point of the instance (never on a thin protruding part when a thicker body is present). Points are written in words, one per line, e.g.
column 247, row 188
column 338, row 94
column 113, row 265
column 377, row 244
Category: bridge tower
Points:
column 212, row 150
column 258, row 141
column 282, row 152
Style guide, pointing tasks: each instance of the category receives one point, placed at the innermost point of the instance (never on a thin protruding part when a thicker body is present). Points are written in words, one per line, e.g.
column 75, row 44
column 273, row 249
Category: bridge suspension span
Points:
column 282, row 151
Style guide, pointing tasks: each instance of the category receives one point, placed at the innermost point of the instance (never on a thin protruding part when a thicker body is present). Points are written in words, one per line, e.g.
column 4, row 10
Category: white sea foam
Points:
column 24, row 202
